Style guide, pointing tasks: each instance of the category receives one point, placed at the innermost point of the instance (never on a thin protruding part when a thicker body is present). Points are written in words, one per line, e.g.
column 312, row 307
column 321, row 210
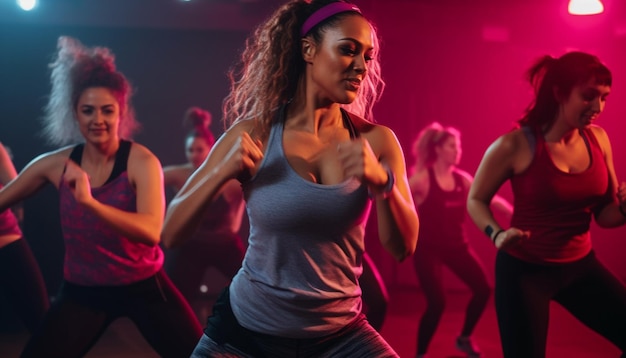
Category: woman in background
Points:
column 440, row 191
column 216, row 242
column 21, row 281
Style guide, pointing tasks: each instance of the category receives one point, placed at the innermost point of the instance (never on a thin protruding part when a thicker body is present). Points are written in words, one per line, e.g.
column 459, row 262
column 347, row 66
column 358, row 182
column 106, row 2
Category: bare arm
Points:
column 145, row 174
column 498, row 165
column 233, row 154
column 398, row 224
column 175, row 176
column 7, row 170
column 498, row 203
column 610, row 216
column 40, row 171
column 234, row 196
column 419, row 185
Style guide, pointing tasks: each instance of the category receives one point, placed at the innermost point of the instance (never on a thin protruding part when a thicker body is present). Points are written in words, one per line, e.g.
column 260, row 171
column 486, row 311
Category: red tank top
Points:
column 556, row 207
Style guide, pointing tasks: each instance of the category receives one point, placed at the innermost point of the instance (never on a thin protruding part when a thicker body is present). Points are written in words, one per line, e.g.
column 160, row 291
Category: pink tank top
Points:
column 8, row 223
column 95, row 254
column 557, row 207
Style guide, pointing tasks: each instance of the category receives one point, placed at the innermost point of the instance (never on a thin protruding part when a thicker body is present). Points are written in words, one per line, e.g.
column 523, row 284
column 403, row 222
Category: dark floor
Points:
column 567, row 337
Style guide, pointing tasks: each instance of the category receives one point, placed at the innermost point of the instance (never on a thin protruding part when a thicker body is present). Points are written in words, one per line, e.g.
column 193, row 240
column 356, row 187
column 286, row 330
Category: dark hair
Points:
column 199, row 120
column 553, row 80
column 271, row 66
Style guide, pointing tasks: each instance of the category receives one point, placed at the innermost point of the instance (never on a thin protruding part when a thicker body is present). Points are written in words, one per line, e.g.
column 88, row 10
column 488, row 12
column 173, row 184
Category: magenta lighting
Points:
column 585, row 7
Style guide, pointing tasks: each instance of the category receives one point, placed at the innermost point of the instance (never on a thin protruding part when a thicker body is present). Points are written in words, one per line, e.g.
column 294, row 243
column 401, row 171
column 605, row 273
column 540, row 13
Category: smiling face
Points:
column 339, row 63
column 584, row 104
column 98, row 115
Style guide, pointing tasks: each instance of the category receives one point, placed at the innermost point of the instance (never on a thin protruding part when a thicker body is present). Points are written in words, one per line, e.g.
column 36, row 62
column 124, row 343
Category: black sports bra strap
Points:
column 347, row 123
column 77, row 153
column 121, row 158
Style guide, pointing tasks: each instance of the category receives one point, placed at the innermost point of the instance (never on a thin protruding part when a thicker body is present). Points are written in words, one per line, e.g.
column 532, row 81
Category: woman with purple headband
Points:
column 310, row 165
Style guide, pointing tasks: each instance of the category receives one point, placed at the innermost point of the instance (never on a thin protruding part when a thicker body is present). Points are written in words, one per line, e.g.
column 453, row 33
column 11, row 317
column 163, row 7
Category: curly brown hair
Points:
column 271, row 66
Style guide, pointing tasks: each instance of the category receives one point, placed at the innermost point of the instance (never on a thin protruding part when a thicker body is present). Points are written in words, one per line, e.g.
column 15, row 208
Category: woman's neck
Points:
column 442, row 169
column 100, row 153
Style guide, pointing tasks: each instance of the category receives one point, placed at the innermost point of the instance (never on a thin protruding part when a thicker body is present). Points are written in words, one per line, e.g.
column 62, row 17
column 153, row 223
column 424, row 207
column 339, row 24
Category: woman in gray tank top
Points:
column 311, row 166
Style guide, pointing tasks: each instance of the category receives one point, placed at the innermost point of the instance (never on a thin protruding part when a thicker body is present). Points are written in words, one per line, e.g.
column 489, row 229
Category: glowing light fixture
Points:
column 585, row 7
column 27, row 5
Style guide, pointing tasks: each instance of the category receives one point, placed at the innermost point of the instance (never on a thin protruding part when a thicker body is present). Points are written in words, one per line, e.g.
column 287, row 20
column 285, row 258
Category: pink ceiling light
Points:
column 585, row 7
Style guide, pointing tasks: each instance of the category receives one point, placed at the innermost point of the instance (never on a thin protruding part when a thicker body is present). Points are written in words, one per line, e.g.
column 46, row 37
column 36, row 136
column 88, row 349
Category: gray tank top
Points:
column 299, row 278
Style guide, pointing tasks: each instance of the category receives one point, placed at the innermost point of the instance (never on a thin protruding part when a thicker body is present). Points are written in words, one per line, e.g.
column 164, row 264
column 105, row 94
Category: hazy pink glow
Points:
column 585, row 7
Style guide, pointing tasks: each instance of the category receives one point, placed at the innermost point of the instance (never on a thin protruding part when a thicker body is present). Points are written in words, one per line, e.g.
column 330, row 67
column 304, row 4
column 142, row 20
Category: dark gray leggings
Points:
column 80, row 315
column 225, row 338
column 586, row 288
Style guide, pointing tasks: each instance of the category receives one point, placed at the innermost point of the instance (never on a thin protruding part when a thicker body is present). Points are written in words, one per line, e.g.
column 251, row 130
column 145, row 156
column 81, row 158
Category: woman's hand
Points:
column 243, row 156
column 510, row 237
column 78, row 182
column 358, row 160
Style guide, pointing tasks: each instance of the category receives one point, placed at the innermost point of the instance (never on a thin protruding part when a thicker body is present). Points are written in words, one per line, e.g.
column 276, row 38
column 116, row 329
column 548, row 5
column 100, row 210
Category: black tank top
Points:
column 443, row 214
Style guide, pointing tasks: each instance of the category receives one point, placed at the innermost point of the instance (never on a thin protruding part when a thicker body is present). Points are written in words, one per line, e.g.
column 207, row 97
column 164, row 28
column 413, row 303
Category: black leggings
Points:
column 464, row 263
column 80, row 315
column 21, row 282
column 586, row 288
column 186, row 265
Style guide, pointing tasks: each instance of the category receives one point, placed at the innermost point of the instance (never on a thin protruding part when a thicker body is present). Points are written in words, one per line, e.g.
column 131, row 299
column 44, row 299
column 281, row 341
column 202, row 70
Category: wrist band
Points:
column 488, row 230
column 496, row 235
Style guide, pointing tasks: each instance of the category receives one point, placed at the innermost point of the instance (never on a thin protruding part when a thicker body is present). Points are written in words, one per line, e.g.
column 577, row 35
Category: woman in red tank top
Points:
column 561, row 170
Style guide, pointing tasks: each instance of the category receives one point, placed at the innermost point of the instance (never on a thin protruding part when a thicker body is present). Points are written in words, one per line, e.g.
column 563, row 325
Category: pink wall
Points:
column 438, row 66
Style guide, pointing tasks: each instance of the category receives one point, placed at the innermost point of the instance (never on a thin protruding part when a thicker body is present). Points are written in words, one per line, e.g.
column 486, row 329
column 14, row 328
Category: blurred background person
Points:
column 21, row 281
column 216, row 242
column 440, row 192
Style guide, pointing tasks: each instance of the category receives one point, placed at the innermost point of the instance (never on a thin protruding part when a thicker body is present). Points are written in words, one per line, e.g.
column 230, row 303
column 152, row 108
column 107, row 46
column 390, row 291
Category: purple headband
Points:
column 324, row 13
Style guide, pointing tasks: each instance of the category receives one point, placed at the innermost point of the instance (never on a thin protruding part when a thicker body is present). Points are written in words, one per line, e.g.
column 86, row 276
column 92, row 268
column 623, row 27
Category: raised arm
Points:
column 398, row 224
column 40, row 171
column 233, row 154
column 145, row 173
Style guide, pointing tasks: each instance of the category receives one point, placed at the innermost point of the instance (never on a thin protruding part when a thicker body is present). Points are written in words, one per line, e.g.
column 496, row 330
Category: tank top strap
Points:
column 349, row 125
column 121, row 158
